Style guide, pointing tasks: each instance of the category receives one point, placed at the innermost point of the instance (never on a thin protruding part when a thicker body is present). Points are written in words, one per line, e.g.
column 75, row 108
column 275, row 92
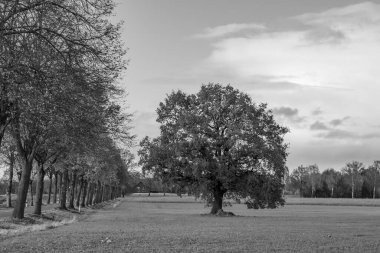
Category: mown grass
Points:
column 172, row 224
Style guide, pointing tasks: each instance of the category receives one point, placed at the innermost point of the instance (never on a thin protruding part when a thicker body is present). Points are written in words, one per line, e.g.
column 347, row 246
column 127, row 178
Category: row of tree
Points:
column 59, row 64
column 354, row 181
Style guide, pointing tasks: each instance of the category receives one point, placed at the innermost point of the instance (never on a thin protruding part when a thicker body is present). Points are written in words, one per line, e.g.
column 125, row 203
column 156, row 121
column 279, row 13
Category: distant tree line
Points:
column 353, row 181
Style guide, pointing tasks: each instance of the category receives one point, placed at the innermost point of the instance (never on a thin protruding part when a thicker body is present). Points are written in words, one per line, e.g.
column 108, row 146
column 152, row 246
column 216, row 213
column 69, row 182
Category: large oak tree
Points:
column 219, row 142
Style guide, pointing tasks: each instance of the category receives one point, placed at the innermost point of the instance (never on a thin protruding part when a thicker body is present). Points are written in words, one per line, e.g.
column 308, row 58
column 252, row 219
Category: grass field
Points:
column 161, row 223
column 172, row 224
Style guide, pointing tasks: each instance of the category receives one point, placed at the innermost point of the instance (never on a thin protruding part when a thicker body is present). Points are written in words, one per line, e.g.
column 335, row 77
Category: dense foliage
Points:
column 59, row 64
column 219, row 142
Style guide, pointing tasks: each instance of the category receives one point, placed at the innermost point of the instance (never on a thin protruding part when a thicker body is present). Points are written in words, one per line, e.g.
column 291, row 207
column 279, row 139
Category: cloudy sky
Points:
column 316, row 64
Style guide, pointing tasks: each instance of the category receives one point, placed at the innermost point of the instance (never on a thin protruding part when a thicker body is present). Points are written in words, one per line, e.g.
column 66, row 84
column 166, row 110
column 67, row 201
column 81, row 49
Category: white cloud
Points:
column 333, row 60
column 224, row 30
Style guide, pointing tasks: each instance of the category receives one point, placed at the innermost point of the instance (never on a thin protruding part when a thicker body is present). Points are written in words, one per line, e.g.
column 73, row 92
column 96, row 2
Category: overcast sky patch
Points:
column 318, row 126
column 229, row 29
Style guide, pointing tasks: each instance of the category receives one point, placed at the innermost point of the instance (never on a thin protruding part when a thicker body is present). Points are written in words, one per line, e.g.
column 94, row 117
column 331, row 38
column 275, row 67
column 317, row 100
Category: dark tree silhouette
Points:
column 219, row 142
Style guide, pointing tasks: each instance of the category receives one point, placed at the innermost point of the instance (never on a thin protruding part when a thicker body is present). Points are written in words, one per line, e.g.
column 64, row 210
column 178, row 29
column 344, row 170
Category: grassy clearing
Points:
column 166, row 226
column 49, row 219
column 172, row 224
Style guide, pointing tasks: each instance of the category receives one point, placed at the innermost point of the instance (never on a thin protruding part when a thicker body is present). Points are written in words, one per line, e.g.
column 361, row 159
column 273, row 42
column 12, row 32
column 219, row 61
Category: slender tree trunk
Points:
column 84, row 194
column 352, row 186
column 55, row 187
column 93, row 194
column 72, row 189
column 102, row 193
column 105, row 193
column 374, row 186
column 63, row 189
column 39, row 190
column 113, row 190
column 59, row 190
column 50, row 186
column 10, row 180
column 217, row 204
column 98, row 196
column 79, row 191
column 332, row 192
column 31, row 192
column 18, row 211
column 89, row 194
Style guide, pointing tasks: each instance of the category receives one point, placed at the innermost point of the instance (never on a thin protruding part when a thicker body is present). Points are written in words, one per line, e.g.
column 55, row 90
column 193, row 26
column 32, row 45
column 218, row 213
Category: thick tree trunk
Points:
column 63, row 189
column 84, row 194
column 18, row 211
column 10, row 180
column 50, row 186
column 55, row 187
column 217, row 203
column 72, row 189
column 79, row 191
column 39, row 190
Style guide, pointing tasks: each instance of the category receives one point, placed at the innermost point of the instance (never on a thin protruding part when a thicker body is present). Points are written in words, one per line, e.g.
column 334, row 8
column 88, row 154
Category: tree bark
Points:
column 113, row 192
column 89, row 194
column 59, row 189
column 39, row 190
column 102, row 193
column 10, row 180
column 352, row 186
column 217, row 203
column 31, row 192
column 374, row 186
column 98, row 196
column 55, row 187
column 50, row 186
column 72, row 189
column 18, row 211
column 84, row 194
column 63, row 190
column 79, row 191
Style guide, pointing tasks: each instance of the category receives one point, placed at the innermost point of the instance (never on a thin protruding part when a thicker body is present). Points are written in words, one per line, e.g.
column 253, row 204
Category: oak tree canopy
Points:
column 218, row 142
